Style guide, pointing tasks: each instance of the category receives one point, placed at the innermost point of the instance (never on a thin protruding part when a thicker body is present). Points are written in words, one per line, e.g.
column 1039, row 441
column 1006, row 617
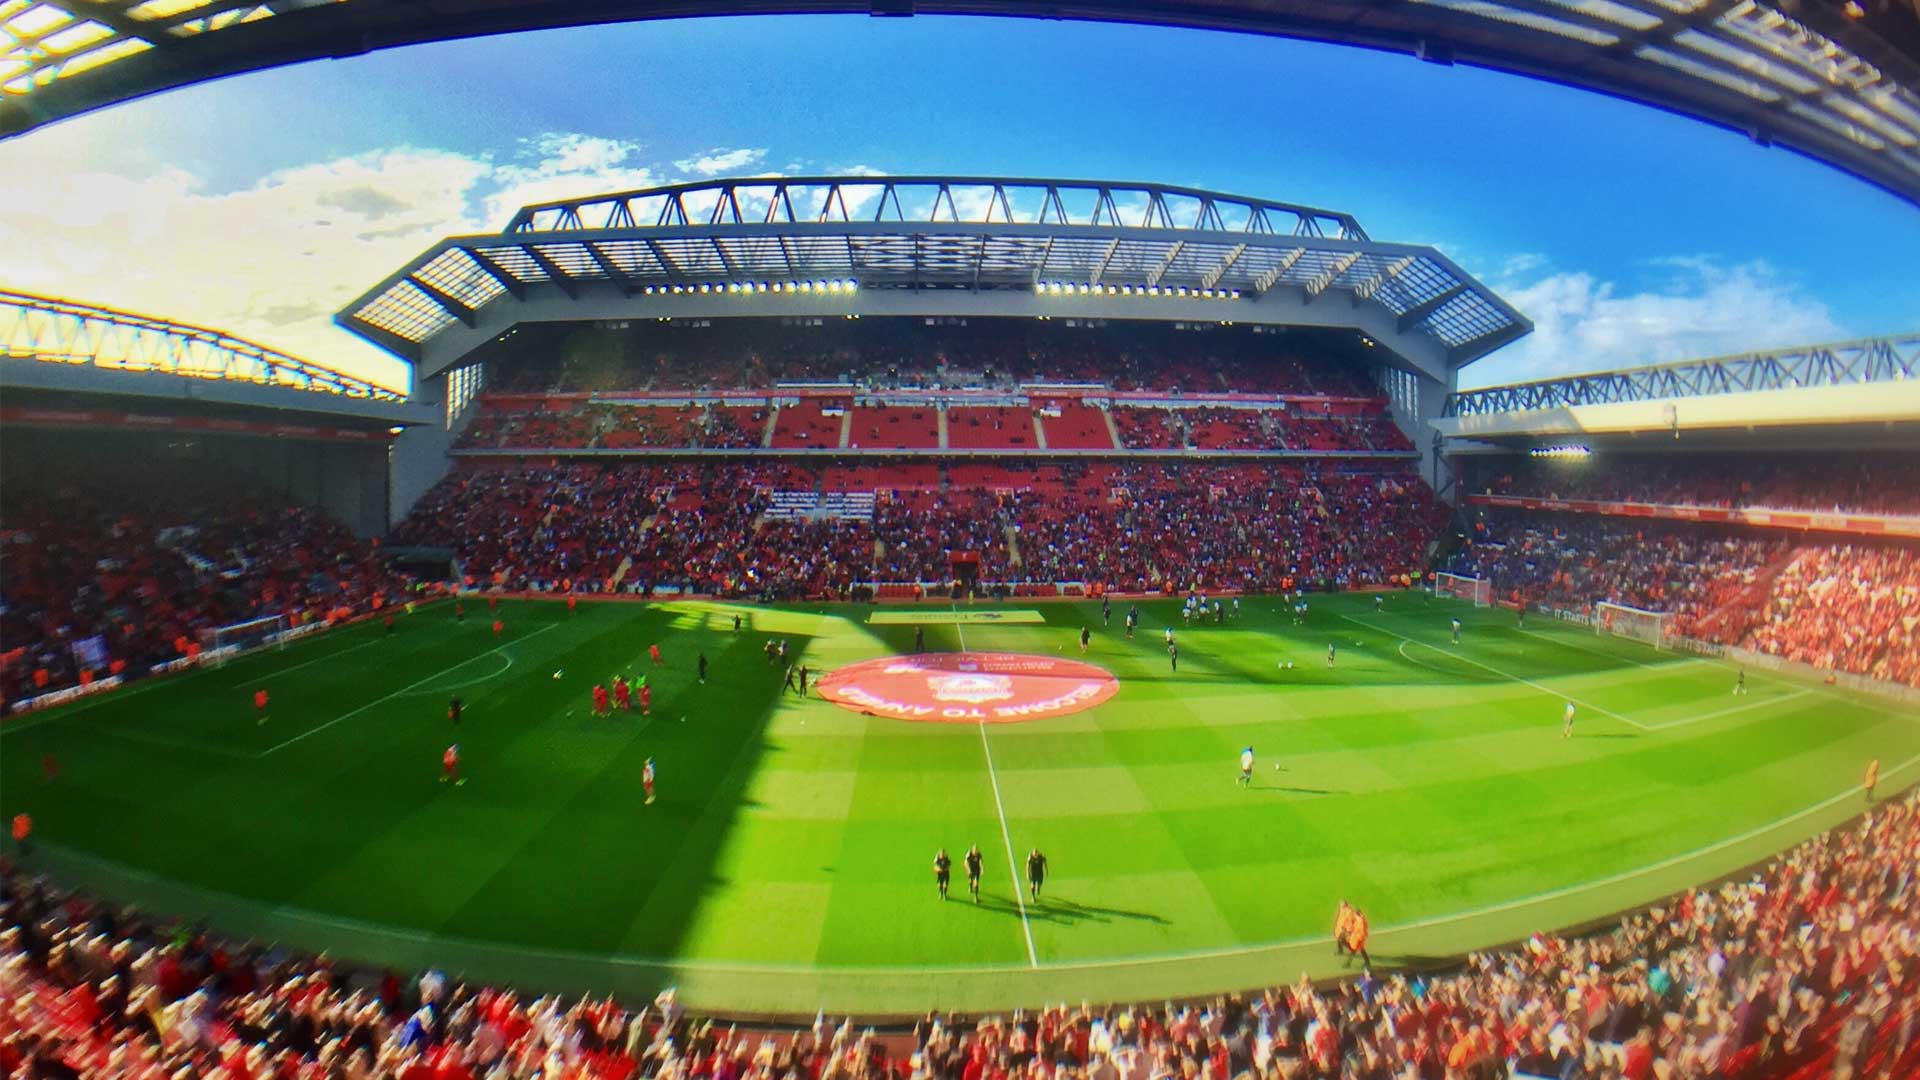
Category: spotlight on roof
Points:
column 1571, row 452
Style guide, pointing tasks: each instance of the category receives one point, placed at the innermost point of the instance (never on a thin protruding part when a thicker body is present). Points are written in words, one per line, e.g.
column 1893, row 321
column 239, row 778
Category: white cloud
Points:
column 720, row 160
column 272, row 260
column 563, row 166
column 1699, row 308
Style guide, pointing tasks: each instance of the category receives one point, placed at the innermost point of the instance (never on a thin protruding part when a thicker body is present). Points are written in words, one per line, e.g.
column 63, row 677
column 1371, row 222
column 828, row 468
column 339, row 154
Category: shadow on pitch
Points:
column 1282, row 789
column 1608, row 735
column 1061, row 912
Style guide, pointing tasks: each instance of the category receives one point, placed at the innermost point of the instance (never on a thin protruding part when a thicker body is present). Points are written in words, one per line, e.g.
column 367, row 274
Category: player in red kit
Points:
column 622, row 694
column 450, row 766
column 654, row 651
column 599, row 700
column 646, row 780
column 646, row 700
column 260, row 706
column 572, row 602
column 498, row 626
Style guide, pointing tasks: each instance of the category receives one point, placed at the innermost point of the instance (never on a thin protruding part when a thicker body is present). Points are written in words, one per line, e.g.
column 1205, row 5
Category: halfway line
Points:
column 402, row 690
column 1013, row 868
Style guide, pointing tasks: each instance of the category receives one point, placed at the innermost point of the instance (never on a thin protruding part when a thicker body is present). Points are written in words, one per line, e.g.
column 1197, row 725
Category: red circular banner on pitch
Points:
column 969, row 688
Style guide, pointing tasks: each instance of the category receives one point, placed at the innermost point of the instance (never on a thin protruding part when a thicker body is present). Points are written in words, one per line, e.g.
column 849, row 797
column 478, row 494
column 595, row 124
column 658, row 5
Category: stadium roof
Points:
column 61, row 345
column 1838, row 80
column 1866, row 390
column 808, row 245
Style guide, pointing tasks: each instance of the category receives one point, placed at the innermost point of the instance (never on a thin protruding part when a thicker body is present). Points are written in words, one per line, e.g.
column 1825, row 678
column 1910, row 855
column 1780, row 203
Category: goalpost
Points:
column 222, row 642
column 1478, row 590
column 1631, row 622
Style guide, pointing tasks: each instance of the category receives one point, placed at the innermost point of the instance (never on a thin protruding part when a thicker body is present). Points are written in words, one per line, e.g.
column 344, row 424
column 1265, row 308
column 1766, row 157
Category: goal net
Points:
column 223, row 642
column 1478, row 590
column 1631, row 622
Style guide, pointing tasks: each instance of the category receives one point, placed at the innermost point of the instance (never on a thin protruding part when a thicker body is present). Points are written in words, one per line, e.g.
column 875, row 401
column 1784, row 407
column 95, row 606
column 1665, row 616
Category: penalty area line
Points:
column 1505, row 674
column 1006, row 837
column 402, row 691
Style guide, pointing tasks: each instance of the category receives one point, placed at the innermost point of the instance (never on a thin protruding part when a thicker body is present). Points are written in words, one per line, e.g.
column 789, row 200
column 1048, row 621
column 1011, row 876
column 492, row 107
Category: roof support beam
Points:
column 1267, row 280
column 1485, row 343
column 386, row 339
column 1173, row 254
column 1214, row 275
column 1331, row 274
column 1418, row 313
column 1366, row 289
column 614, row 273
column 1113, row 245
column 553, row 271
column 445, row 299
column 498, row 273
column 720, row 252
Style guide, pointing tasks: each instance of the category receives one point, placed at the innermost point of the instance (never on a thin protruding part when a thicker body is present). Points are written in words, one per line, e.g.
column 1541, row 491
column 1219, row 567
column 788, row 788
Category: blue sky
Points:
column 261, row 203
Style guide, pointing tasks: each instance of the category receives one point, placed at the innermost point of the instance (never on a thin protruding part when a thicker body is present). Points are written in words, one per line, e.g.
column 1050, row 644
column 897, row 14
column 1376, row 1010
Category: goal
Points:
column 1478, row 590
column 1631, row 622
column 223, row 642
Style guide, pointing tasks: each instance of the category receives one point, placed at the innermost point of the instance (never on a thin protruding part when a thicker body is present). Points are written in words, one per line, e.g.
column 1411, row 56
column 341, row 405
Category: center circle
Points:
column 968, row 687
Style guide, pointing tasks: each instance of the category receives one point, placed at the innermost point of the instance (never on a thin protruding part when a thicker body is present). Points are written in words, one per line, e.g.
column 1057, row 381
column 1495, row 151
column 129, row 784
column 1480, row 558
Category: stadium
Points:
column 959, row 626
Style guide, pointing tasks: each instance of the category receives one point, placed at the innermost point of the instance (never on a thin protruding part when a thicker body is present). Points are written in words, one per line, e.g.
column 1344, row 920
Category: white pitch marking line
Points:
column 1505, row 674
column 402, row 690
column 1599, row 652
column 309, row 663
column 1729, row 711
column 1013, row 868
column 489, row 677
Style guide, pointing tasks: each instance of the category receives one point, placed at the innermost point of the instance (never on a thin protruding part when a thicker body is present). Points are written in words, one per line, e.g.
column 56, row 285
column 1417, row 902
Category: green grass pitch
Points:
column 785, row 865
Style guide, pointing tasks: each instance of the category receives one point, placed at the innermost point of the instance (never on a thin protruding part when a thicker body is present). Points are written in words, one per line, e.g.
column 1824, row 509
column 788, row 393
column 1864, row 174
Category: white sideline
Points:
column 1013, row 868
column 389, row 697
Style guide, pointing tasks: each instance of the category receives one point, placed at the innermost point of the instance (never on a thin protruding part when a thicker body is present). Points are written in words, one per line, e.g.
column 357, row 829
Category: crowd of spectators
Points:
column 522, row 423
column 888, row 354
column 109, row 571
column 1839, row 606
column 1865, row 482
column 1843, row 607
column 1806, row 969
column 1570, row 561
column 700, row 527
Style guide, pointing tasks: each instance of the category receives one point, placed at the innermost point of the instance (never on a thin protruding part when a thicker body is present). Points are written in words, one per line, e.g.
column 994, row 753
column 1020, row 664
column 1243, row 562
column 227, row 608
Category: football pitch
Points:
column 786, row 863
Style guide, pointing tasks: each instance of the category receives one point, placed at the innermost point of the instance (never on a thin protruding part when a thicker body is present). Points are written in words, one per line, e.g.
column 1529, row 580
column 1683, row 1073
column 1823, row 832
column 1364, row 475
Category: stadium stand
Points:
column 116, row 569
column 1859, row 482
column 1805, row 969
column 1074, row 425
column 1135, row 527
column 806, row 425
column 621, row 427
column 1148, row 429
column 885, row 427
column 1837, row 605
column 994, row 427
column 1228, row 429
